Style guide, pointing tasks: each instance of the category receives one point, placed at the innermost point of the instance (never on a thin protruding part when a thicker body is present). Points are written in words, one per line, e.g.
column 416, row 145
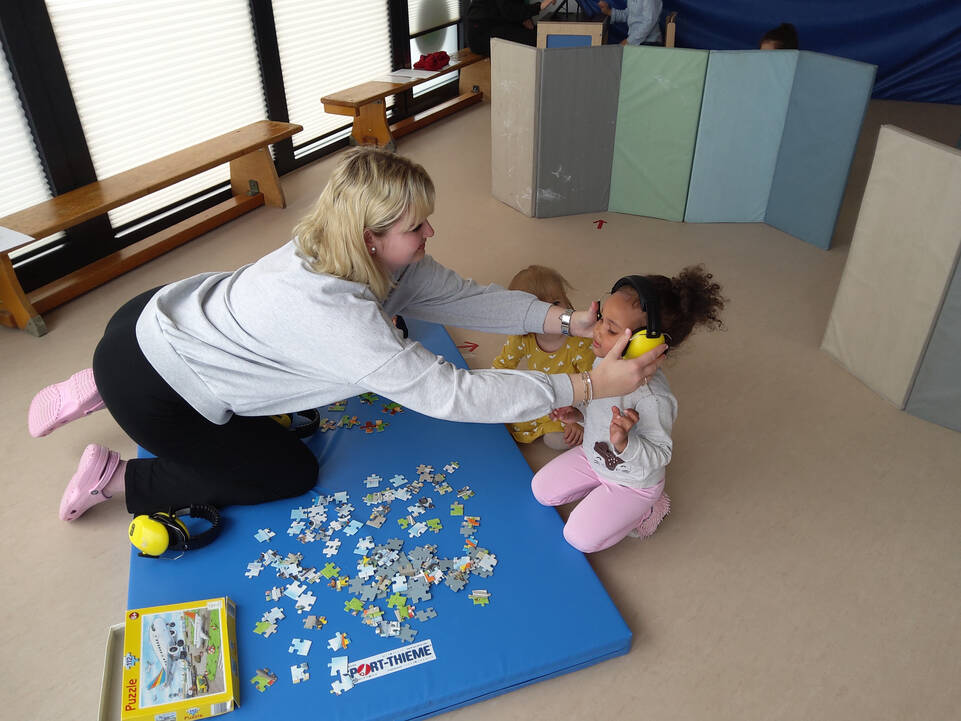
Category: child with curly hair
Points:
column 548, row 352
column 617, row 473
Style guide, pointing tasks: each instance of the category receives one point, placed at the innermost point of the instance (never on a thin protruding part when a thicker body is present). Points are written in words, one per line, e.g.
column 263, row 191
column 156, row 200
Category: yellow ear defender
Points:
column 155, row 533
column 303, row 423
column 639, row 344
column 650, row 337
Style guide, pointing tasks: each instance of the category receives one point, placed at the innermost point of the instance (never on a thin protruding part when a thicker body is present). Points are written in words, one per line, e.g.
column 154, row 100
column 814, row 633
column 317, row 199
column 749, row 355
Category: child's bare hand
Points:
column 566, row 415
column 573, row 434
column 621, row 424
column 605, row 8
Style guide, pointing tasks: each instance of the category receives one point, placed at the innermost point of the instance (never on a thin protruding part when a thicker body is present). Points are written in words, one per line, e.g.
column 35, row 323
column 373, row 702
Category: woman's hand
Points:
column 616, row 376
column 621, row 424
column 582, row 321
column 573, row 434
column 528, row 23
column 546, row 4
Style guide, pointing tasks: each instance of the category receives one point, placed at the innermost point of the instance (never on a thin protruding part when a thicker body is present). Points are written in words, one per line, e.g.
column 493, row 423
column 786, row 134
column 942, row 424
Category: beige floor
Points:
column 811, row 568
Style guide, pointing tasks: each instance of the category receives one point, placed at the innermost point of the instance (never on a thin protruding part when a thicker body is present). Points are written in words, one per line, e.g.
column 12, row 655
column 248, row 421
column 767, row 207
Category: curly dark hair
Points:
column 688, row 300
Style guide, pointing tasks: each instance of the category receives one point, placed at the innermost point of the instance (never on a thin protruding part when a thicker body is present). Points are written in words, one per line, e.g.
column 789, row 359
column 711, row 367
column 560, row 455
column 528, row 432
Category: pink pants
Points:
column 608, row 510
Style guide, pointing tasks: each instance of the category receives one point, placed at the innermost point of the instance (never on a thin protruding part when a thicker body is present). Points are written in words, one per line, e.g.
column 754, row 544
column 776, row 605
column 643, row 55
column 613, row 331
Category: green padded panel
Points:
column 657, row 119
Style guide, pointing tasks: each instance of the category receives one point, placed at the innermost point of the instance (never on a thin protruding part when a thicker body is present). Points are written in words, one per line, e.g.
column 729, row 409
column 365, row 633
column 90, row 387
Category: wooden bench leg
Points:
column 257, row 166
column 371, row 128
column 17, row 311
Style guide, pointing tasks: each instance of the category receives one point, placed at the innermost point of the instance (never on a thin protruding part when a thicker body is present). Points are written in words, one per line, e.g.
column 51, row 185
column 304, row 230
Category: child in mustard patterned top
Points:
column 546, row 352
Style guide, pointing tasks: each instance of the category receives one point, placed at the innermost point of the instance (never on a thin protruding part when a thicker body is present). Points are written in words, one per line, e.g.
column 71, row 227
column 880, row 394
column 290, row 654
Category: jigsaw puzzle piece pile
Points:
column 385, row 572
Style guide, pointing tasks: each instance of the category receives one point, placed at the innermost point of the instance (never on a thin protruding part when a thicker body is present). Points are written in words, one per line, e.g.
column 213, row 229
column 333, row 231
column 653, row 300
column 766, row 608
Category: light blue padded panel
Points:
column 820, row 133
column 746, row 95
column 936, row 394
column 657, row 119
column 577, row 108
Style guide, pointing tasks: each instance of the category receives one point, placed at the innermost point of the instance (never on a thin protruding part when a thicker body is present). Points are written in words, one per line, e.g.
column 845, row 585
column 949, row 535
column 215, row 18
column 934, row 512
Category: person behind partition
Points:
column 548, row 352
column 642, row 18
column 783, row 37
column 507, row 19
column 617, row 474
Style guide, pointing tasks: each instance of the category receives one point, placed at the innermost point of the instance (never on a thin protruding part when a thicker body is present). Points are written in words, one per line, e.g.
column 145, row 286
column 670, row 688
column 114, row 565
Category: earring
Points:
column 372, row 250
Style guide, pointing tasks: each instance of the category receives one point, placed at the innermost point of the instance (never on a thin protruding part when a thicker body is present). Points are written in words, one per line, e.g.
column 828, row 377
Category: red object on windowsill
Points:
column 434, row 61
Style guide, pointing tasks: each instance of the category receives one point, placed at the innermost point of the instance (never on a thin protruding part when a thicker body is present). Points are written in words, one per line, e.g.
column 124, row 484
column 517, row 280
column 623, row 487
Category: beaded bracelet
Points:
column 588, row 387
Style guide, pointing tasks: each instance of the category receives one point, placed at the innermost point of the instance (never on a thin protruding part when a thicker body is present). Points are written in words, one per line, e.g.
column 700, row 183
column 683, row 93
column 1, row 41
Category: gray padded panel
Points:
column 578, row 95
column 936, row 394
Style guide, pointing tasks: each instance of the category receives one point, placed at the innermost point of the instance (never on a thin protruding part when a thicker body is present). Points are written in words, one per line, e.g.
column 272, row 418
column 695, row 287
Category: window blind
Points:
column 151, row 78
column 21, row 174
column 425, row 14
column 325, row 47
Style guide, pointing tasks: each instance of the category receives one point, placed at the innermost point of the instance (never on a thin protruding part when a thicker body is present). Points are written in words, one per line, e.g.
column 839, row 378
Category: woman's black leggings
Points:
column 245, row 461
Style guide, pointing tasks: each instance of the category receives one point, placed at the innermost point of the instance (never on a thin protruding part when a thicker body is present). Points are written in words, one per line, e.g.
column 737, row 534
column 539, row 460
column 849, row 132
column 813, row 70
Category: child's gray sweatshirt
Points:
column 649, row 445
column 276, row 337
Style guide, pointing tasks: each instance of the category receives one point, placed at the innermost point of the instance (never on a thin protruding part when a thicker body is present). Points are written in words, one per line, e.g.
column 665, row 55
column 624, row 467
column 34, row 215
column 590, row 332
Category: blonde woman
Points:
column 191, row 370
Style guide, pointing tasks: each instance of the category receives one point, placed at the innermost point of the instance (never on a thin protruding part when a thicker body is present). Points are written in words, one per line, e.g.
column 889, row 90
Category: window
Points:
column 325, row 47
column 150, row 79
column 23, row 181
column 433, row 27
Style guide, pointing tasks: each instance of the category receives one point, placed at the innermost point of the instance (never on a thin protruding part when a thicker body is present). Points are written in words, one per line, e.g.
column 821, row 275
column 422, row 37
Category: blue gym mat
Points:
column 547, row 613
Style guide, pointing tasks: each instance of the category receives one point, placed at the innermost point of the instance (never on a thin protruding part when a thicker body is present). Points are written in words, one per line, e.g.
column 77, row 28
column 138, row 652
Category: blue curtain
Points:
column 916, row 45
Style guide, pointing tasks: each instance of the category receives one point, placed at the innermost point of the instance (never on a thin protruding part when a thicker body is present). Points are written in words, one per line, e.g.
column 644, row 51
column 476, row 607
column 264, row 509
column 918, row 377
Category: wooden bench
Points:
column 253, row 182
column 365, row 103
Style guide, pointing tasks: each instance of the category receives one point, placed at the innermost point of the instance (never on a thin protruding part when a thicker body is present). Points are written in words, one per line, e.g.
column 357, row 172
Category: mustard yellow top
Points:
column 574, row 356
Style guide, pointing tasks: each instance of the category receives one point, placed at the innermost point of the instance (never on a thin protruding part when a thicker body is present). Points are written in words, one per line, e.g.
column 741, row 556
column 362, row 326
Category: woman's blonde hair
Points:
column 370, row 189
column 546, row 283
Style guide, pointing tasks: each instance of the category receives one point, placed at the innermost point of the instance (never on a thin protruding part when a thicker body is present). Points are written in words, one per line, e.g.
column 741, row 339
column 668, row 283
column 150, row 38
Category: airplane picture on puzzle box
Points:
column 180, row 661
column 181, row 656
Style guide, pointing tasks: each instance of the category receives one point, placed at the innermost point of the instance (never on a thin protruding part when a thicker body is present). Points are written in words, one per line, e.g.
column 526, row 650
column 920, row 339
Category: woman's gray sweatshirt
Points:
column 276, row 337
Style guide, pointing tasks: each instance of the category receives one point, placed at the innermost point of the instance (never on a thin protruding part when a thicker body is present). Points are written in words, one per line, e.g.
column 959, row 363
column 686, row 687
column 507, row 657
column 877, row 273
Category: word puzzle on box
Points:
column 420, row 575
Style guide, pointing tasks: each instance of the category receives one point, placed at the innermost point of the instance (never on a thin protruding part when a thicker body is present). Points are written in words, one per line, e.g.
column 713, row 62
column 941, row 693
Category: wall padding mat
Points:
column 546, row 612
column 902, row 258
column 824, row 116
column 514, row 89
column 936, row 394
column 746, row 96
column 575, row 134
column 657, row 118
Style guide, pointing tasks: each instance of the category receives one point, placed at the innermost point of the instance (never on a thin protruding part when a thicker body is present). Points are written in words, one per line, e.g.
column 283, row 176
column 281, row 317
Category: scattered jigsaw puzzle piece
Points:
column 264, row 534
column 263, row 679
column 300, row 672
column 299, row 646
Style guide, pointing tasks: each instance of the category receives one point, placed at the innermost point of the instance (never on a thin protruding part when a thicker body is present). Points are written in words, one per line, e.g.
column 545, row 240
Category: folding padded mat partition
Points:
column 720, row 136
column 903, row 257
column 514, row 109
column 657, row 119
column 575, row 132
column 828, row 102
column 745, row 104
column 547, row 613
column 936, row 393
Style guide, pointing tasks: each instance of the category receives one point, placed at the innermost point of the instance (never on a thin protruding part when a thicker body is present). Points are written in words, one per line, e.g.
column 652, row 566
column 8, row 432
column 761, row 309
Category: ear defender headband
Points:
column 156, row 533
column 650, row 336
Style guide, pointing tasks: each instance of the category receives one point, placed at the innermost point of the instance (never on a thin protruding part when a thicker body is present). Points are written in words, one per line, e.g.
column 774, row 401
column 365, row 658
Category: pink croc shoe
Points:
column 63, row 402
column 96, row 468
column 661, row 507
